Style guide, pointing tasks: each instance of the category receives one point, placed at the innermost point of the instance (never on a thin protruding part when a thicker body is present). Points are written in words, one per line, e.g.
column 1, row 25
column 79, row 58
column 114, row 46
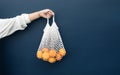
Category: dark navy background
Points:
column 90, row 30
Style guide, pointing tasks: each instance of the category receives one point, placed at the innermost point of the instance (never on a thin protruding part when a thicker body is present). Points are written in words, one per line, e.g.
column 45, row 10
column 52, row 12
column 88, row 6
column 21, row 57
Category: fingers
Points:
column 46, row 13
column 51, row 12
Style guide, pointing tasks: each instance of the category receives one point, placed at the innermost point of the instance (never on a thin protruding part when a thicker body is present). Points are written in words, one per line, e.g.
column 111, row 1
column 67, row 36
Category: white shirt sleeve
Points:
column 10, row 25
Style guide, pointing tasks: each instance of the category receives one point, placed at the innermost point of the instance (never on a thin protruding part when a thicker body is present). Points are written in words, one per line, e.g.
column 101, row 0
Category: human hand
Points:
column 46, row 13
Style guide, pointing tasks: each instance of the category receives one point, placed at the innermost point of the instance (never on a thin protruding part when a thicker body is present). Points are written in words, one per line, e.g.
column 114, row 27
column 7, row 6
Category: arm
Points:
column 47, row 13
column 9, row 26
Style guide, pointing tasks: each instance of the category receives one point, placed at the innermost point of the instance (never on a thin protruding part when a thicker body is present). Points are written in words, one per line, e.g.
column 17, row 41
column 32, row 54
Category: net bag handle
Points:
column 54, row 23
column 47, row 27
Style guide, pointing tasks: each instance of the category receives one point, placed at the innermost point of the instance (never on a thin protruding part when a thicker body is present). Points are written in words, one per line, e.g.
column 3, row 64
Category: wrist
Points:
column 34, row 16
column 39, row 14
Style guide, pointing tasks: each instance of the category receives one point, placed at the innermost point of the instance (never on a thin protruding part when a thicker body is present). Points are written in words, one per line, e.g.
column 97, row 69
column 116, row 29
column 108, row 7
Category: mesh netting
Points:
column 51, row 45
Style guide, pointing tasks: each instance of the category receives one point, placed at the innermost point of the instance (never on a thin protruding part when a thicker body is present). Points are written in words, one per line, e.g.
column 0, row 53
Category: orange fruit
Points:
column 62, row 52
column 45, row 50
column 45, row 56
column 39, row 54
column 52, row 60
column 52, row 53
column 58, row 57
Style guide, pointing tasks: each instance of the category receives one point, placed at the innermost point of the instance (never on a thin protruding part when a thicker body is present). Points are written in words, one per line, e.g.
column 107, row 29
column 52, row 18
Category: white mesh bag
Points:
column 51, row 47
column 45, row 42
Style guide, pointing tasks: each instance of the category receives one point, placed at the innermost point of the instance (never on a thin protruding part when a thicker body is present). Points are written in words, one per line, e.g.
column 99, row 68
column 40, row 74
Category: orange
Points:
column 39, row 54
column 58, row 57
column 52, row 60
column 52, row 53
column 62, row 52
column 45, row 50
column 45, row 56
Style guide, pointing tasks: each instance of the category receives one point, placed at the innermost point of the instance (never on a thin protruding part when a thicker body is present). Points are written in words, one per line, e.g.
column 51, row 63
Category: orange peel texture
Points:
column 58, row 57
column 62, row 52
column 45, row 50
column 39, row 54
column 52, row 60
column 45, row 56
column 52, row 53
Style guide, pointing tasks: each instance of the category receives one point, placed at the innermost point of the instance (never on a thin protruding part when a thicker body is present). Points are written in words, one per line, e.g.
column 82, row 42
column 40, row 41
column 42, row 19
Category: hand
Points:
column 46, row 13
